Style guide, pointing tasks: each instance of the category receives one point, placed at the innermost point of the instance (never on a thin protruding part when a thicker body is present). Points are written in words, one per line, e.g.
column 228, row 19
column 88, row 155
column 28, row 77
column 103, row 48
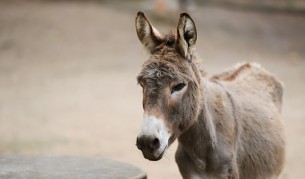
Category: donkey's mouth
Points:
column 152, row 157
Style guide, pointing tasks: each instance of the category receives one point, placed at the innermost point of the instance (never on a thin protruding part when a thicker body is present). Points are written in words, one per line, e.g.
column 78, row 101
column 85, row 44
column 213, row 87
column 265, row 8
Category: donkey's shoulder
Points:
column 253, row 79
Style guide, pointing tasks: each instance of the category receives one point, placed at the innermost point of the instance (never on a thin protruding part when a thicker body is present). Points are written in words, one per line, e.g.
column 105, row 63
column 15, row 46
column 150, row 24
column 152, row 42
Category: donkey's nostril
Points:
column 139, row 144
column 148, row 143
column 155, row 144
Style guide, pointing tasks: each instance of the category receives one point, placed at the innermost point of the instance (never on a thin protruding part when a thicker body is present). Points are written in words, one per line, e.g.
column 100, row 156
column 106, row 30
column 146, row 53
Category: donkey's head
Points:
column 170, row 80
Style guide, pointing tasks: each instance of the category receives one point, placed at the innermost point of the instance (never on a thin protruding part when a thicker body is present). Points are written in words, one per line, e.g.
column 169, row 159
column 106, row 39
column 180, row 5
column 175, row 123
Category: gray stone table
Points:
column 64, row 167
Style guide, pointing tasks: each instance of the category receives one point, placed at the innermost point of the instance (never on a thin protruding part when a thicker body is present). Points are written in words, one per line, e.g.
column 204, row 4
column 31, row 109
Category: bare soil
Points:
column 68, row 76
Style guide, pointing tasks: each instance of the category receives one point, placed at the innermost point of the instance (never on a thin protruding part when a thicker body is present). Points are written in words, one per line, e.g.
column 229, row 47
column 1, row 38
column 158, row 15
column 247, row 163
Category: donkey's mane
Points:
column 168, row 40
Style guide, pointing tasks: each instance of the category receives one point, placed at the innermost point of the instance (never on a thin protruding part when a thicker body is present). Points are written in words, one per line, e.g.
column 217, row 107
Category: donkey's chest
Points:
column 198, row 162
column 207, row 163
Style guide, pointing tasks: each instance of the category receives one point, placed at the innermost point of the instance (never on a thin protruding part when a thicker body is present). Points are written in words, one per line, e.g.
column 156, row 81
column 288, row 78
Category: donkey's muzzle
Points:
column 153, row 138
column 150, row 147
column 149, row 144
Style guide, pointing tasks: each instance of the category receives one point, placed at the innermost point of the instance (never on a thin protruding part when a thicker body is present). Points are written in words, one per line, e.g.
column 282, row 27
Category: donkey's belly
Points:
column 261, row 146
column 261, row 158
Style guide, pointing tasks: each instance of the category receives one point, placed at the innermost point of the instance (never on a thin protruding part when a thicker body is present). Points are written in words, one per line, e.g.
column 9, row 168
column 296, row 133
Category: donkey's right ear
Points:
column 147, row 34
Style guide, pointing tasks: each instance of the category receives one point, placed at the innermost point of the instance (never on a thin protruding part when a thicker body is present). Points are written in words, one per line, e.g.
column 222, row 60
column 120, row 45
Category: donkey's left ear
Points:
column 186, row 36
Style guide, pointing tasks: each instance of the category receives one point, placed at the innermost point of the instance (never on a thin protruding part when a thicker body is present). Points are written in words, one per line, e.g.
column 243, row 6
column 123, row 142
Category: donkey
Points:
column 228, row 126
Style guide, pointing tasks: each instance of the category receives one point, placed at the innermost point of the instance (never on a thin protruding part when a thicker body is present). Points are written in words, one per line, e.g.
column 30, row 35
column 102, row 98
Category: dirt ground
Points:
column 68, row 76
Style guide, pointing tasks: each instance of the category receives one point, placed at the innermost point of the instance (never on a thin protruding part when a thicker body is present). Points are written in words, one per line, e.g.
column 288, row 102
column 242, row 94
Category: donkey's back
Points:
column 257, row 98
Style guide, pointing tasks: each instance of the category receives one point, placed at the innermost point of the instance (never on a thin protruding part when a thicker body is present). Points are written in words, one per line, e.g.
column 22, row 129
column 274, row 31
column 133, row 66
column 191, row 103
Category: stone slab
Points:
column 66, row 167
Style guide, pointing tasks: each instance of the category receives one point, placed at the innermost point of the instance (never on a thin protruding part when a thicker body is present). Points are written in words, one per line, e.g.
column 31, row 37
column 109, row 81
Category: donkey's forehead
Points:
column 164, row 67
column 156, row 70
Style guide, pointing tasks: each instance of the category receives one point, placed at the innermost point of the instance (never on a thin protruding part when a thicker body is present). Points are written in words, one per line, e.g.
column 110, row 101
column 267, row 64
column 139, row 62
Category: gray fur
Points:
column 228, row 126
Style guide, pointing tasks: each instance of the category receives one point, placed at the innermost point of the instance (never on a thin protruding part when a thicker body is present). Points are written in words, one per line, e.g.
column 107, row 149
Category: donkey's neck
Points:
column 201, row 136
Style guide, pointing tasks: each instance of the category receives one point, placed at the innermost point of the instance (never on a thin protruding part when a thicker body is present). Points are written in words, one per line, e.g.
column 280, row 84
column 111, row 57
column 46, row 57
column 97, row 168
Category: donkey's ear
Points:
column 147, row 34
column 186, row 36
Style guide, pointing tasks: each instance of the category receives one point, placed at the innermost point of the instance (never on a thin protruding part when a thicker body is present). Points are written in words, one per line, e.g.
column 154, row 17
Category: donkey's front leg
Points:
column 222, row 163
column 192, row 168
column 186, row 166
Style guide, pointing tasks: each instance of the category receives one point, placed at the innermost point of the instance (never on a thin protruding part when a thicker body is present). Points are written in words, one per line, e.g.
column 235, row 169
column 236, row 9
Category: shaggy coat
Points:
column 228, row 126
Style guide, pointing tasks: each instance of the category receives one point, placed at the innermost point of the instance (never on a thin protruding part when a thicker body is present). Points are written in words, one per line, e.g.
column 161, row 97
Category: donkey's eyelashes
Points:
column 141, row 84
column 178, row 87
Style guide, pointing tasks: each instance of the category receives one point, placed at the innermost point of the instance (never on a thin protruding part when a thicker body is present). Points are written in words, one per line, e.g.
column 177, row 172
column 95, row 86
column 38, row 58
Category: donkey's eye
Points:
column 178, row 87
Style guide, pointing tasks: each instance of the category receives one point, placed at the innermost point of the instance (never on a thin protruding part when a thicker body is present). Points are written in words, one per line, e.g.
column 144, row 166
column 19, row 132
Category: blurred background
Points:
column 68, row 71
